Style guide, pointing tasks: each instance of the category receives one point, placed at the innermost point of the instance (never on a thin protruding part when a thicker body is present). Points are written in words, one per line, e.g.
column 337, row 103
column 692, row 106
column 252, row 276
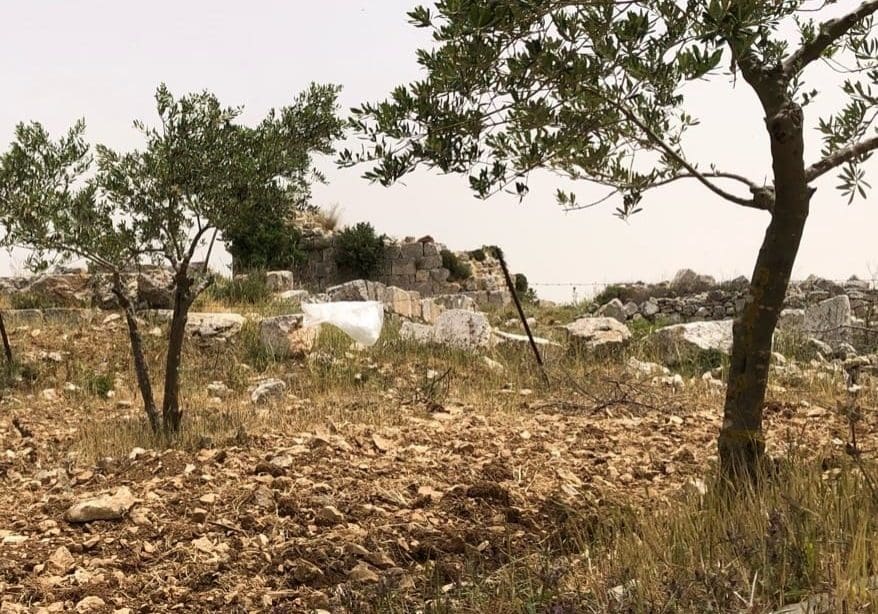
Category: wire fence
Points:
column 585, row 290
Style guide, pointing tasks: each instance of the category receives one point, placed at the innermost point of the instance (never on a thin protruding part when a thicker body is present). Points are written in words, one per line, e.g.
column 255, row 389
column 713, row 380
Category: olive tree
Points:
column 199, row 172
column 595, row 91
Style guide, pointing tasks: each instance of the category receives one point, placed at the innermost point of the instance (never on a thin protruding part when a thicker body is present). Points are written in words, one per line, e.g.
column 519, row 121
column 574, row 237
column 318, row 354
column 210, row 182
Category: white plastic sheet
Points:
column 361, row 320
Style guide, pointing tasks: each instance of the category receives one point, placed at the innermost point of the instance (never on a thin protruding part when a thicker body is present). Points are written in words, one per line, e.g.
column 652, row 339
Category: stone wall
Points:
column 692, row 297
column 411, row 264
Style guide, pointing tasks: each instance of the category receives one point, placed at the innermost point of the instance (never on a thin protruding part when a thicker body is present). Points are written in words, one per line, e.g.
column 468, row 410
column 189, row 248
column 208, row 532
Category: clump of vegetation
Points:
column 200, row 172
column 329, row 218
column 521, row 283
column 99, row 384
column 458, row 269
column 265, row 244
column 360, row 250
column 33, row 300
column 478, row 255
column 250, row 288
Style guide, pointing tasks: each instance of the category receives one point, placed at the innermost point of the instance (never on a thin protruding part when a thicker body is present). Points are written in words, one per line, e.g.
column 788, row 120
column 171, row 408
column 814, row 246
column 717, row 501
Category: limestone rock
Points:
column 631, row 309
column 357, row 290
column 613, row 309
column 90, row 604
column 465, row 330
column 71, row 290
column 155, row 288
column 422, row 334
column 363, row 574
column 401, row 302
column 105, row 507
column 285, row 336
column 269, row 389
column 687, row 281
column 522, row 340
column 279, row 281
column 649, row 308
column 830, row 320
column 294, row 296
column 214, row 326
column 61, row 561
column 682, row 341
column 597, row 333
column 218, row 390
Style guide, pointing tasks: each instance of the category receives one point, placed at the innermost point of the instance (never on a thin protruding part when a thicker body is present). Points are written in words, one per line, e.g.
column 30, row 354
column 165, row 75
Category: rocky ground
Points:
column 336, row 500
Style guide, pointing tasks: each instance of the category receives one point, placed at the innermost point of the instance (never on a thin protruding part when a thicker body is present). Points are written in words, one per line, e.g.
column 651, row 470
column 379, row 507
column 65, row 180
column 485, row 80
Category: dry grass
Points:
column 638, row 518
column 330, row 217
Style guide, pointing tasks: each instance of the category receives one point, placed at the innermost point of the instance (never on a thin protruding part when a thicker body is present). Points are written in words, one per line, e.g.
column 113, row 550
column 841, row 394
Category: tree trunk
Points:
column 141, row 367
column 741, row 440
column 7, row 348
column 171, row 413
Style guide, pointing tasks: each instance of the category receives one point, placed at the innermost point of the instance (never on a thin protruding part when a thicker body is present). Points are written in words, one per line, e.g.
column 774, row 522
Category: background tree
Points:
column 198, row 173
column 594, row 91
column 267, row 238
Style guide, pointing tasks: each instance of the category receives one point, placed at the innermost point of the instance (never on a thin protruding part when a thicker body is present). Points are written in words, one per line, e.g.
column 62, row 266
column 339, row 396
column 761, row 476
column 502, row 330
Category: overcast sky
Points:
column 102, row 60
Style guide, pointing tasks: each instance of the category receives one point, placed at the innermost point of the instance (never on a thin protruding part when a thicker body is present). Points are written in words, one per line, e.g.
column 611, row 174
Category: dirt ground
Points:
column 340, row 515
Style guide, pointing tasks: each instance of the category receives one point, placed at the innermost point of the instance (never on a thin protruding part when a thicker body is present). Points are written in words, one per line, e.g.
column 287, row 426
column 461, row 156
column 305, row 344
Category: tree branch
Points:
column 829, row 32
column 837, row 158
column 670, row 151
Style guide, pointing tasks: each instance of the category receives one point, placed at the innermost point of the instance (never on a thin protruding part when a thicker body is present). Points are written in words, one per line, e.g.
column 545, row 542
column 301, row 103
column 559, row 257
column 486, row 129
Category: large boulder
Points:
column 356, row 290
column 682, row 342
column 286, row 336
column 279, row 281
column 613, row 309
column 214, row 326
column 155, row 288
column 422, row 334
column 829, row 321
column 466, row 330
column 687, row 281
column 401, row 302
column 68, row 290
column 597, row 334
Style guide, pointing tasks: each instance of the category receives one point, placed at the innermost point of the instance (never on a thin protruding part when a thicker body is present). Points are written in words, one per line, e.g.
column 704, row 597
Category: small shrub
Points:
column 529, row 297
column 99, row 384
column 359, row 250
column 478, row 255
column 32, row 300
column 460, row 270
column 251, row 288
column 608, row 294
column 521, row 283
column 329, row 218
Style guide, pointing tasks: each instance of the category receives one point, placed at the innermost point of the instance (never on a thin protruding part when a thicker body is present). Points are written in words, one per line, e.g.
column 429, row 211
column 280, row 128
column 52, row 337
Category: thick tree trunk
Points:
column 141, row 367
column 171, row 412
column 741, row 441
column 7, row 348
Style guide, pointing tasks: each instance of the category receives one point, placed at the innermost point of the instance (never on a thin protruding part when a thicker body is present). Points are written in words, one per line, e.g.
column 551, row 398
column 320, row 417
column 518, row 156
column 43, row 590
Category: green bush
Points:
column 359, row 250
column 99, row 384
column 265, row 245
column 250, row 288
column 32, row 300
column 608, row 294
column 521, row 284
column 478, row 255
column 460, row 270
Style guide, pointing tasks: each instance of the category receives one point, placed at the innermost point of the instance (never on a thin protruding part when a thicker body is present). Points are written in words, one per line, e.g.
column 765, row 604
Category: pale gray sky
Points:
column 102, row 60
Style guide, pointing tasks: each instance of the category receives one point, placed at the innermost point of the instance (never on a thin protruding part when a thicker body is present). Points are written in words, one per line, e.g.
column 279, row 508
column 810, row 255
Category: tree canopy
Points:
column 200, row 172
column 596, row 91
